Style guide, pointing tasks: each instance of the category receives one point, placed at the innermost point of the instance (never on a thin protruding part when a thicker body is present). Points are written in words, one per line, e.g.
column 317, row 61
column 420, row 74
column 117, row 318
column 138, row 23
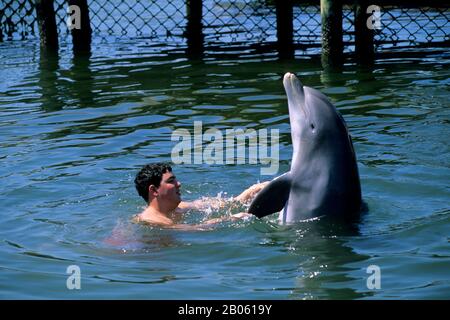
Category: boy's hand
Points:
column 251, row 192
column 241, row 215
column 234, row 217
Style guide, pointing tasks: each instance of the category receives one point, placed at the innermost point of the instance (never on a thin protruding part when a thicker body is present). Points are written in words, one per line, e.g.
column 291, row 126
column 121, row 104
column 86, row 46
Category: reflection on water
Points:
column 74, row 132
column 323, row 258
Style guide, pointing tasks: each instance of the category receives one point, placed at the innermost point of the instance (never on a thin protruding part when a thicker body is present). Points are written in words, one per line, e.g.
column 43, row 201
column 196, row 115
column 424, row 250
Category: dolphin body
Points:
column 324, row 179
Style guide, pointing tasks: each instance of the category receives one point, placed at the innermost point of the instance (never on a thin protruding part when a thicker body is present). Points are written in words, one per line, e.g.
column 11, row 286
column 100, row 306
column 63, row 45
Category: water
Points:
column 75, row 132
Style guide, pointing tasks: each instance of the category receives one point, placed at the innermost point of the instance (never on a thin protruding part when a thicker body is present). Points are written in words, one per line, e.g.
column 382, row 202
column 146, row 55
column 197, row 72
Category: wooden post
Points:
column 285, row 28
column 194, row 27
column 45, row 14
column 363, row 34
column 81, row 27
column 332, row 43
column 10, row 28
column 1, row 31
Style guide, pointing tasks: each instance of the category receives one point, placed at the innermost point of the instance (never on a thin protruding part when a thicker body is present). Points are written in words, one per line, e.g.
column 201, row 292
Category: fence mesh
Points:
column 17, row 19
column 238, row 22
column 408, row 27
column 225, row 22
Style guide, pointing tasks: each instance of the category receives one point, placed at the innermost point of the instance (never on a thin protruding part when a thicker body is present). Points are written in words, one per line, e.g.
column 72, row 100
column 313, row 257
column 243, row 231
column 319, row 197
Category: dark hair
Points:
column 150, row 174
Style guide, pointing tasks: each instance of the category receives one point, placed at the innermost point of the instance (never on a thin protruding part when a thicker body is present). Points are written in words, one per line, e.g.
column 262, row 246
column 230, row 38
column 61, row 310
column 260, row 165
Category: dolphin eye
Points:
column 312, row 126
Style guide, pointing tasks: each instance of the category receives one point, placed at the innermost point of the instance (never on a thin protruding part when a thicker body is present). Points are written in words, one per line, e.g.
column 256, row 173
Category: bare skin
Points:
column 165, row 208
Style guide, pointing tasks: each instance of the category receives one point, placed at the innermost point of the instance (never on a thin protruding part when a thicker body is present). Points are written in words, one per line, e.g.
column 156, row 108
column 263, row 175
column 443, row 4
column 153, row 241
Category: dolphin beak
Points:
column 295, row 93
column 287, row 77
column 292, row 84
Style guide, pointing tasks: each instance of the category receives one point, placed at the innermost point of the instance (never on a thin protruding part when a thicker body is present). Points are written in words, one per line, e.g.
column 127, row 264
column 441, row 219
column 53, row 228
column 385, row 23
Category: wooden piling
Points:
column 45, row 14
column 194, row 27
column 364, row 33
column 285, row 28
column 332, row 43
column 1, row 27
column 82, row 37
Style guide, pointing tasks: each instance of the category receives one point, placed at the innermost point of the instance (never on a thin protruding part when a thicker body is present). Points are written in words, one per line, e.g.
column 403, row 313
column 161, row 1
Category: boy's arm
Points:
column 233, row 217
column 217, row 203
column 207, row 224
column 196, row 204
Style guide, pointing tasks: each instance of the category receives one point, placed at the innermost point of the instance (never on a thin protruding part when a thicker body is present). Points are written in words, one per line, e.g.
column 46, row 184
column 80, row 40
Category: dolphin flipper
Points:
column 273, row 197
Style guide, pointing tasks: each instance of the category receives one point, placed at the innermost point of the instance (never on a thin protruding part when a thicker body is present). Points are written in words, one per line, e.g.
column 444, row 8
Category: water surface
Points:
column 74, row 132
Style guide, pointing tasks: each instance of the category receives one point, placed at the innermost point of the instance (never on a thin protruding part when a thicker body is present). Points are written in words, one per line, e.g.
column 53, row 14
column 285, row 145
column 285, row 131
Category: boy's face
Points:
column 169, row 189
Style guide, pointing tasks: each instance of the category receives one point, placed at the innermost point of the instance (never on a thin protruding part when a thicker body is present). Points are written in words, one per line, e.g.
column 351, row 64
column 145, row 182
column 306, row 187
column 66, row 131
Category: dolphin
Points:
column 323, row 179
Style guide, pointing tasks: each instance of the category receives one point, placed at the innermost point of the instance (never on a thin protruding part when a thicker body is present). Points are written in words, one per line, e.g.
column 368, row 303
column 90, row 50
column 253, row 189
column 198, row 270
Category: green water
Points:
column 74, row 133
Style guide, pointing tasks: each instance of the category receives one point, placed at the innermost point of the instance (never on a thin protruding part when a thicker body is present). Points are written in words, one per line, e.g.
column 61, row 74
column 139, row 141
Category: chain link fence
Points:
column 17, row 19
column 225, row 23
column 413, row 26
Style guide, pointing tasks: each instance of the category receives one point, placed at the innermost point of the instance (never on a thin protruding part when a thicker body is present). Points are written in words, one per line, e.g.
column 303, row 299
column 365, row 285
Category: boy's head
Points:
column 157, row 181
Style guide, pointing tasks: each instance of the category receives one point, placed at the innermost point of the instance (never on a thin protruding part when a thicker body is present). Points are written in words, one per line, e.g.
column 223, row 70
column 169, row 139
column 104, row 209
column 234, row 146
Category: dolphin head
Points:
column 314, row 120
